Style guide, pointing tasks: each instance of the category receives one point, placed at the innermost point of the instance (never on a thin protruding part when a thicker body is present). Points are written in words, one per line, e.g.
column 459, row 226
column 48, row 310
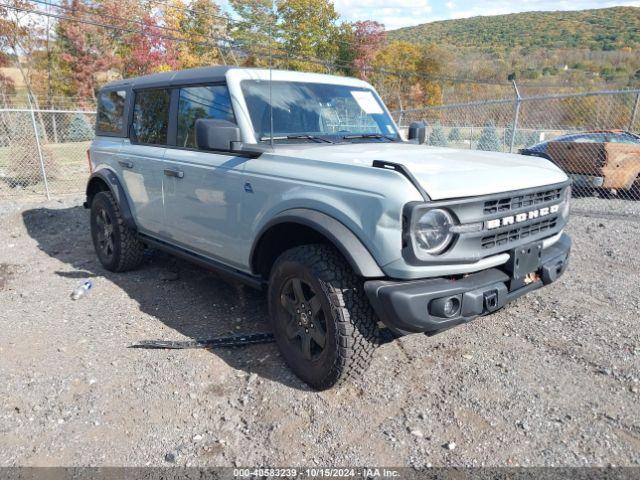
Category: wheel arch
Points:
column 301, row 226
column 106, row 180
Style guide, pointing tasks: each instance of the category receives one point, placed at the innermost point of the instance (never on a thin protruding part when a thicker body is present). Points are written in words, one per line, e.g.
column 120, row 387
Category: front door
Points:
column 202, row 190
column 202, row 195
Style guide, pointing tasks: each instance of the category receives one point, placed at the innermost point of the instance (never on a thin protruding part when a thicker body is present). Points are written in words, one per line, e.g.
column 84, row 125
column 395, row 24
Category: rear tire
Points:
column 117, row 246
column 323, row 323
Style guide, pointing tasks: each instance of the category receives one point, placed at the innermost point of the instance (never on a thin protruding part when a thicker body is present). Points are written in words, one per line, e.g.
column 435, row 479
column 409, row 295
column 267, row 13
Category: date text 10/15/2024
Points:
column 317, row 472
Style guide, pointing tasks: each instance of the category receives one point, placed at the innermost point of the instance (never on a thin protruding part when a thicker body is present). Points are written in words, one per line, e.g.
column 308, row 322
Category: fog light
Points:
column 446, row 307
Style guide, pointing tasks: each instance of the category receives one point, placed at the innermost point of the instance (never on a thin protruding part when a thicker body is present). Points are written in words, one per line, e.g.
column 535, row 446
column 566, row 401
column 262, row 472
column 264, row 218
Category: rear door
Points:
column 202, row 190
column 111, row 128
column 141, row 158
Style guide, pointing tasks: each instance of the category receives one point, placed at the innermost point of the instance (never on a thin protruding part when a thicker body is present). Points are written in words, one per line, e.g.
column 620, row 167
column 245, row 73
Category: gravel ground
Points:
column 552, row 379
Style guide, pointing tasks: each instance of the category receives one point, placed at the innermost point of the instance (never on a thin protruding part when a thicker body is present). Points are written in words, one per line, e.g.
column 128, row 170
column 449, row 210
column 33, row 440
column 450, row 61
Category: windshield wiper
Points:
column 297, row 137
column 369, row 135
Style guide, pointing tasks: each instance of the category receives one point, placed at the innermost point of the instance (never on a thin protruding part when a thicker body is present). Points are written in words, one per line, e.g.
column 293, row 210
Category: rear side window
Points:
column 201, row 102
column 111, row 108
column 151, row 116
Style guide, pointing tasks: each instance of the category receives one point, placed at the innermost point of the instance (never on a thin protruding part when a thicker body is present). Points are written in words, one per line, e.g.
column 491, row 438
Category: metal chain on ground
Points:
column 230, row 341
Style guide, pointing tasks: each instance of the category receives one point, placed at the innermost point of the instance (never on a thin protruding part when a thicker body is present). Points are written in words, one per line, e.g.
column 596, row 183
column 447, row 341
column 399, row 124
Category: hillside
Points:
column 563, row 51
column 597, row 30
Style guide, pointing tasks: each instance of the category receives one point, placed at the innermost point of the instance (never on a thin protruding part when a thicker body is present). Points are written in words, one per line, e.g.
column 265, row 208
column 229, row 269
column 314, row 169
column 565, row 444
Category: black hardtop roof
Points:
column 167, row 79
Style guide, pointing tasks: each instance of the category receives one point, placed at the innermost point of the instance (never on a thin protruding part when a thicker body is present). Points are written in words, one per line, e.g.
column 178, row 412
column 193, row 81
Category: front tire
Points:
column 322, row 321
column 117, row 246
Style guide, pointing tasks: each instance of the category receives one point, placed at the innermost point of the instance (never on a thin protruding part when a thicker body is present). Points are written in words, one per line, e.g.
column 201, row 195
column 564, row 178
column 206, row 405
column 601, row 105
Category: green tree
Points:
column 346, row 56
column 489, row 139
column 521, row 137
column 309, row 29
column 255, row 28
column 437, row 138
column 455, row 135
column 78, row 130
column 531, row 138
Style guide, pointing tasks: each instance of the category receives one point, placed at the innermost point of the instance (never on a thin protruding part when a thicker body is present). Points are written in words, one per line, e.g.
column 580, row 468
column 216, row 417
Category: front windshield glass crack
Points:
column 317, row 112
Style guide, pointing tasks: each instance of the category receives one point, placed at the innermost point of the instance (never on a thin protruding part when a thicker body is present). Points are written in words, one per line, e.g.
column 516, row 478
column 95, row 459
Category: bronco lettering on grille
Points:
column 521, row 217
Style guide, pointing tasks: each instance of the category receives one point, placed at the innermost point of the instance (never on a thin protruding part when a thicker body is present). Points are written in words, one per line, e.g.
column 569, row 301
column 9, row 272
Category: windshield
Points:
column 308, row 111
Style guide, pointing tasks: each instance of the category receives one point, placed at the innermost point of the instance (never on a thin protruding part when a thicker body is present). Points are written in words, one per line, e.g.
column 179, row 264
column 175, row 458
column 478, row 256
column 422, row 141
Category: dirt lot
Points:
column 552, row 379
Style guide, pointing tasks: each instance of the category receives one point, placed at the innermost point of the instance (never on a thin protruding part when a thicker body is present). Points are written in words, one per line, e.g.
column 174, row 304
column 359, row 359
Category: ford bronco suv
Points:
column 301, row 184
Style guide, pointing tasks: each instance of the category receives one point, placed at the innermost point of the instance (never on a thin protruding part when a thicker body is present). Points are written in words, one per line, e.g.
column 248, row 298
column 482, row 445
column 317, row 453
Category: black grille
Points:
column 519, row 201
column 517, row 233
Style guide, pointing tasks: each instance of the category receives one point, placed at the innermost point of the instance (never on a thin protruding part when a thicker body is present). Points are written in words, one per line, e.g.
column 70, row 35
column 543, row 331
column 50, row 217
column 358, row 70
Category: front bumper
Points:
column 407, row 306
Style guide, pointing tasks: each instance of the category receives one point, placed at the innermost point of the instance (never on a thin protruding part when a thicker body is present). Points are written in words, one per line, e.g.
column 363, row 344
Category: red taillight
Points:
column 89, row 161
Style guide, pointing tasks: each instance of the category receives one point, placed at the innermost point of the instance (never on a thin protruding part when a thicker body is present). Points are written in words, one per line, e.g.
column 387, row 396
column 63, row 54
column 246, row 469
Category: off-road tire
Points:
column 127, row 249
column 350, row 323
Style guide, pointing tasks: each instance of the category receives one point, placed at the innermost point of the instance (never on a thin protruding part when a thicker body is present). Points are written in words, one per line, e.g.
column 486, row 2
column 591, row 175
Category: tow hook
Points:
column 491, row 300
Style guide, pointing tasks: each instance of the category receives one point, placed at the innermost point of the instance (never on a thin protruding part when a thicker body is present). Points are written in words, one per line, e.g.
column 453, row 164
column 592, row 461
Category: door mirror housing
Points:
column 418, row 132
column 214, row 134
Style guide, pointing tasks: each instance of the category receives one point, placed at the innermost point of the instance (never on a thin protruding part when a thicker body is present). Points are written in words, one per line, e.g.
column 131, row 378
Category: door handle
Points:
column 173, row 172
column 125, row 163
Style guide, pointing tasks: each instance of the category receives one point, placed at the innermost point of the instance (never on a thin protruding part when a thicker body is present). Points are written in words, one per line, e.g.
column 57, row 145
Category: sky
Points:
column 404, row 13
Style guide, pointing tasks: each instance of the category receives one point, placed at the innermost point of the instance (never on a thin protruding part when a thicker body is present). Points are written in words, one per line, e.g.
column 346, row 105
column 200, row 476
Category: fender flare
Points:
column 109, row 177
column 349, row 245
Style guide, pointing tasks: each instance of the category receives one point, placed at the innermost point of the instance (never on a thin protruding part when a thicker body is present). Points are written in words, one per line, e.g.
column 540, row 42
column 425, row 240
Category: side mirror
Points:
column 212, row 134
column 418, row 132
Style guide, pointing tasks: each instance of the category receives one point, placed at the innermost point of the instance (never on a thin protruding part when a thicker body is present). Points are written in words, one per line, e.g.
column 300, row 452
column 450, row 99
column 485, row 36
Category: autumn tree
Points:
column 207, row 27
column 368, row 37
column 174, row 15
column 22, row 37
column 83, row 50
column 406, row 74
column 394, row 57
column 145, row 49
column 7, row 85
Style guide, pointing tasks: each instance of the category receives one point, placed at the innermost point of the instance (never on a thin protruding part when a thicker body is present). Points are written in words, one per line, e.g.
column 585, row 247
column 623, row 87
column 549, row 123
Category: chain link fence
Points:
column 591, row 136
column 43, row 152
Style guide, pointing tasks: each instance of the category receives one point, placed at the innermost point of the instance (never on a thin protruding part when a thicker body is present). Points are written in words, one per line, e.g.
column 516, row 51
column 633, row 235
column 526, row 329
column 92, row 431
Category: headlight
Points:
column 433, row 231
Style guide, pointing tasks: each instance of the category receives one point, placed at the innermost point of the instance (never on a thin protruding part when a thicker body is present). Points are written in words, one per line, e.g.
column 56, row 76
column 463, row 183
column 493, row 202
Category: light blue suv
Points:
column 301, row 184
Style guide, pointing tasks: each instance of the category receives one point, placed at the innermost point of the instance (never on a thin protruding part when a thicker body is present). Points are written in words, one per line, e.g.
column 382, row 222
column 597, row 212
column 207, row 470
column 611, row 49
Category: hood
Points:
column 443, row 172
